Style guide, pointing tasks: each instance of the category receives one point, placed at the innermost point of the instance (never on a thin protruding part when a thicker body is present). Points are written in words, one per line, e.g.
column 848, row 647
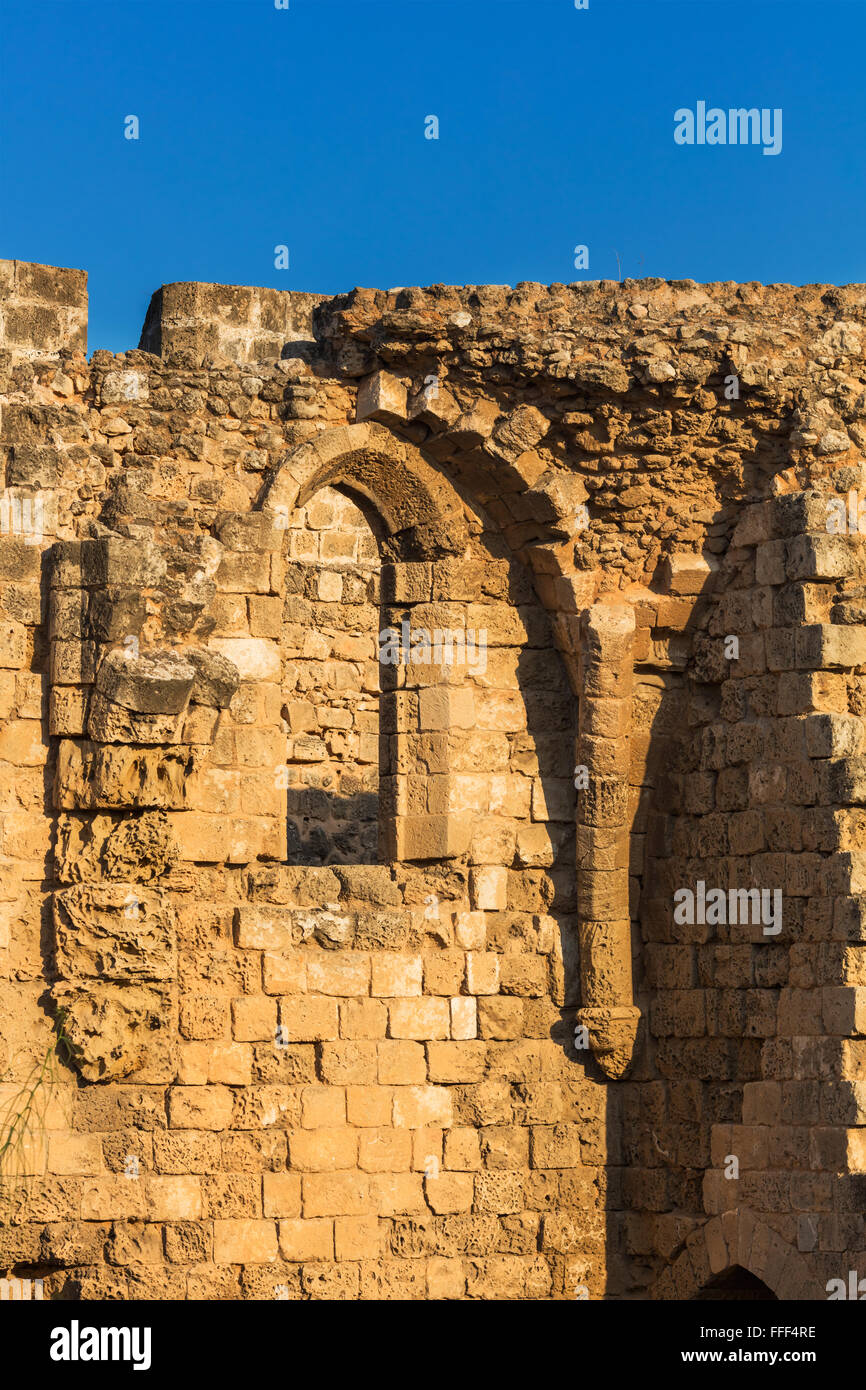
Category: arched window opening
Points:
column 331, row 686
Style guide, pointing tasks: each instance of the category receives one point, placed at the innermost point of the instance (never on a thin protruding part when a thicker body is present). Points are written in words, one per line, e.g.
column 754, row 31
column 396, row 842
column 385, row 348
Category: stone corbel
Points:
column 608, row 1012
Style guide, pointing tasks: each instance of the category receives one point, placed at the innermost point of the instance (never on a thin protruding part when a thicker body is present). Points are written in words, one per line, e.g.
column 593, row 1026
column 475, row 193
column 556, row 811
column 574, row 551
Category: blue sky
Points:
column 305, row 128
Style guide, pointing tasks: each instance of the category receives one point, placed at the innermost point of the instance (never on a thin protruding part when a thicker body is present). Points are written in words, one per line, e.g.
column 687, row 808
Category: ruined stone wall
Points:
column 317, row 931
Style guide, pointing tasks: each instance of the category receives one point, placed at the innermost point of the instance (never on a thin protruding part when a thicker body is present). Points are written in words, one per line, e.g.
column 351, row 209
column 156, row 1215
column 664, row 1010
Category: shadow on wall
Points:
column 736, row 1285
column 718, row 1115
column 684, row 1076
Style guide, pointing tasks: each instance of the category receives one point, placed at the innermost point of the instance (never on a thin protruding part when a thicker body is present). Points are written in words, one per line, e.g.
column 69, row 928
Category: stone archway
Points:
column 428, row 528
column 442, row 565
column 422, row 514
column 737, row 1240
column 420, row 526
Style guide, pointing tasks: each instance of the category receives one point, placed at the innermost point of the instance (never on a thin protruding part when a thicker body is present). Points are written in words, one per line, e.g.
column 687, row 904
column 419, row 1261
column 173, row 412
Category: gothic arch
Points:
column 425, row 519
column 737, row 1238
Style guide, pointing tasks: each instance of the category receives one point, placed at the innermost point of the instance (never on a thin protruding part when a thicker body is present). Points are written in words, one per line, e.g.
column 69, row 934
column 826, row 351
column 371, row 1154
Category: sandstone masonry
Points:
column 324, row 976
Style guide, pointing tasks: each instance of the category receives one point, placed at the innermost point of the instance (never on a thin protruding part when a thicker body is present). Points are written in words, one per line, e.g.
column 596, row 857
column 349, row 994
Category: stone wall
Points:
column 42, row 308
column 354, row 975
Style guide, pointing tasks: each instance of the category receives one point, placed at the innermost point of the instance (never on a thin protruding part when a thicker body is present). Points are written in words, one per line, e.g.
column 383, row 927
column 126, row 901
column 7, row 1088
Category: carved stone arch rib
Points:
column 422, row 513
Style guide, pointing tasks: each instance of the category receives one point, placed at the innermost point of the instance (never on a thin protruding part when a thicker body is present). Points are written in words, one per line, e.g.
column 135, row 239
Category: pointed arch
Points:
column 426, row 521
column 737, row 1239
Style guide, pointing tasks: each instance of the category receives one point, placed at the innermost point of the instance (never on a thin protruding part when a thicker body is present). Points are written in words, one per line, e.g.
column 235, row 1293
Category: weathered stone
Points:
column 216, row 678
column 382, row 397
column 154, row 683
column 116, row 932
column 396, row 742
column 108, row 722
column 90, row 776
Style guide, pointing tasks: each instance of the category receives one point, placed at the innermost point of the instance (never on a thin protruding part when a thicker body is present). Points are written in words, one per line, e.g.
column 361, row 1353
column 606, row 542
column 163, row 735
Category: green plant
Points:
column 24, row 1114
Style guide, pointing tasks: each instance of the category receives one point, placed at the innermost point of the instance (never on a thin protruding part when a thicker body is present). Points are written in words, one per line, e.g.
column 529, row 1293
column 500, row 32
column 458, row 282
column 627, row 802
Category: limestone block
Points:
column 118, row 1031
column 22, row 743
column 795, row 513
column 88, row 776
column 605, row 960
column 249, row 532
column 419, row 1019
column 67, row 710
column 216, row 677
column 245, row 1242
column 754, row 524
column 117, row 932
column 66, row 571
column 844, row 1010
column 156, row 682
column 535, row 846
column 711, row 666
column 602, row 895
column 604, row 802
column 432, row 837
column 115, row 614
column 108, row 722
column 602, row 848
column 474, row 425
column 557, row 501
column 488, row 886
column 518, row 432
column 255, row 658
column 688, row 574
column 115, row 560
column 818, row 557
column 33, row 466
column 434, row 406
column 395, row 976
column 13, row 646
column 66, row 613
column 243, row 573
column 464, row 1017
column 833, row 735
column 382, row 397
column 605, row 718
column 72, row 662
column 129, row 385
column 140, row 848
column 607, row 634
column 823, row 645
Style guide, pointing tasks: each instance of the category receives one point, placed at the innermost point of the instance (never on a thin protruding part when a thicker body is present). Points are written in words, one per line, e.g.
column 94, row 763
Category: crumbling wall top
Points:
column 43, row 309
column 242, row 323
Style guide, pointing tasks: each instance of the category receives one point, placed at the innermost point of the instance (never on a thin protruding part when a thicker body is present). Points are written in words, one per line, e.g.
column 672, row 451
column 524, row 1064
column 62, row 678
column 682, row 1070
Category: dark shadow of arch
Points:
column 735, row 1285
